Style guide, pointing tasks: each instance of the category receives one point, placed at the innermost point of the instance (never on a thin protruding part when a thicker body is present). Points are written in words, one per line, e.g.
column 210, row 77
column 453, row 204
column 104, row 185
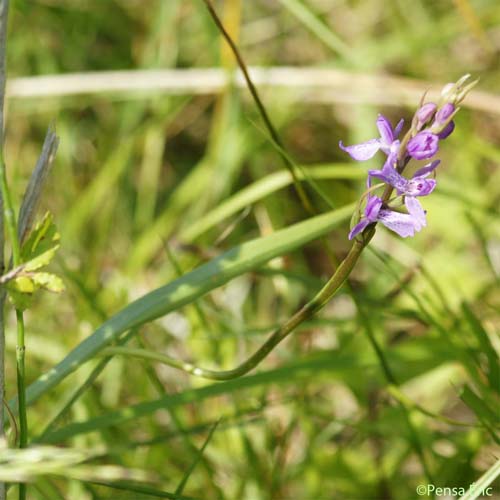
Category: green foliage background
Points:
column 147, row 186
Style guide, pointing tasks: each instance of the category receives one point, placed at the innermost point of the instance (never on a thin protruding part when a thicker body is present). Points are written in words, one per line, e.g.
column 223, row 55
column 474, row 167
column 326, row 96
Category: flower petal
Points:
column 358, row 228
column 389, row 175
column 419, row 186
column 447, row 130
column 417, row 213
column 425, row 171
column 373, row 206
column 398, row 128
column 402, row 224
column 385, row 129
column 363, row 151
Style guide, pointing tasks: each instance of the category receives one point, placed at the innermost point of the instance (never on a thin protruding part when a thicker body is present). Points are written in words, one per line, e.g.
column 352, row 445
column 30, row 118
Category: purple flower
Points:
column 424, row 145
column 403, row 224
column 418, row 185
column 387, row 142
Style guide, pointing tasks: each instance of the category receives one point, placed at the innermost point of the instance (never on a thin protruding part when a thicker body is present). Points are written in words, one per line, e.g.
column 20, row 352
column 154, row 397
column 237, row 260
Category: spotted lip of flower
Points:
column 423, row 146
column 387, row 142
column 403, row 224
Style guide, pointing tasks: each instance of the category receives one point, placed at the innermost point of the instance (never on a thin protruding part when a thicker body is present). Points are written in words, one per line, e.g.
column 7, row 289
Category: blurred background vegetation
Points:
column 139, row 167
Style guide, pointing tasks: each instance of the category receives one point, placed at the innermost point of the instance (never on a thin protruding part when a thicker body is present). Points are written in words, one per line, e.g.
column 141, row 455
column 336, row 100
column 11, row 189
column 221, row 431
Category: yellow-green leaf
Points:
column 48, row 281
column 41, row 245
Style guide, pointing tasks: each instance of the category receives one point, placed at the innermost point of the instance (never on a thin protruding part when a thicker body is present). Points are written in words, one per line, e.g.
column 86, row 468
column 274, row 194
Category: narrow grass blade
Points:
column 484, row 413
column 487, row 348
column 309, row 19
column 143, row 490
column 259, row 190
column 36, row 183
column 190, row 470
column 483, row 483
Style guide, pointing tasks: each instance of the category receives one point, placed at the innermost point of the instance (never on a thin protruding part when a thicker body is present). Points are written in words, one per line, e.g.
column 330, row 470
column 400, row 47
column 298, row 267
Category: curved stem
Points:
column 306, row 312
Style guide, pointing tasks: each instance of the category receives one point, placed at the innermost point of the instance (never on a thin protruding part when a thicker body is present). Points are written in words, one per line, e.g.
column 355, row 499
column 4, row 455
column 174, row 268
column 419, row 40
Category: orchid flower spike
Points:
column 431, row 123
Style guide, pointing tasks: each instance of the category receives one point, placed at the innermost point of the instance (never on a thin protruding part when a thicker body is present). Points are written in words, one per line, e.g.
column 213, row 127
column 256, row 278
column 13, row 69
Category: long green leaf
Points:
column 182, row 291
column 262, row 188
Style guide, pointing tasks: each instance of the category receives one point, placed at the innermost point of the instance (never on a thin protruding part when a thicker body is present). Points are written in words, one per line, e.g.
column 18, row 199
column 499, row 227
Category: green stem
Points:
column 20, row 350
column 306, row 312
column 11, row 224
column 21, row 391
column 9, row 214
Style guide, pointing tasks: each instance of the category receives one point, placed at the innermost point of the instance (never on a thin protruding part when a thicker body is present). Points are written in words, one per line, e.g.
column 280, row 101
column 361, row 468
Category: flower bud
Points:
column 425, row 113
column 455, row 92
column 444, row 113
column 424, row 145
column 448, row 129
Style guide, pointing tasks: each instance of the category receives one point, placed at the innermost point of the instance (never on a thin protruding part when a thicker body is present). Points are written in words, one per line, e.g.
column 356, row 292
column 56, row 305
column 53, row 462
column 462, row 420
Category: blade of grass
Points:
column 483, row 482
column 324, row 33
column 143, row 490
column 80, row 390
column 36, row 183
column 178, row 424
column 486, row 346
column 259, row 190
column 189, row 471
column 485, row 414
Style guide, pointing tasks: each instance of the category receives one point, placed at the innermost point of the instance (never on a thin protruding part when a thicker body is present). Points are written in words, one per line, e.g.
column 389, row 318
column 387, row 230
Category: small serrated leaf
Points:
column 41, row 260
column 48, row 281
column 41, row 245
